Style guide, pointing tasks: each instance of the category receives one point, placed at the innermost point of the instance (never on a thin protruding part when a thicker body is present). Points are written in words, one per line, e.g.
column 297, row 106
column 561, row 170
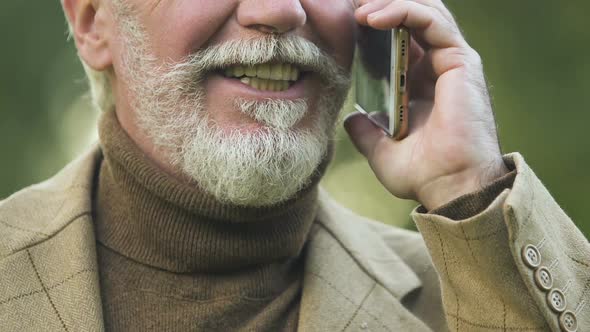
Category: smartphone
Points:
column 381, row 78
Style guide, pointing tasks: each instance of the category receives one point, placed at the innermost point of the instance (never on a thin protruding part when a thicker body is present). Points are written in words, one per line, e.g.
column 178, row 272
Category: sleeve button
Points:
column 543, row 278
column 556, row 300
column 531, row 256
column 568, row 321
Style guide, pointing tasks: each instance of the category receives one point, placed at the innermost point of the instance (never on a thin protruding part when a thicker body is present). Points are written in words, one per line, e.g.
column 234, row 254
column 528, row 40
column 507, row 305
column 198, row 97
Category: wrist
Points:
column 450, row 187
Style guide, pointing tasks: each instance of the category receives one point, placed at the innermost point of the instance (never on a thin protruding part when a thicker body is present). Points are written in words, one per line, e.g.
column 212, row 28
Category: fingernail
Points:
column 346, row 121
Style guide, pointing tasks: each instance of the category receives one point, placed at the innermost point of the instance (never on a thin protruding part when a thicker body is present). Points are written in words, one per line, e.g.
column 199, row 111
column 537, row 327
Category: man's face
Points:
column 240, row 96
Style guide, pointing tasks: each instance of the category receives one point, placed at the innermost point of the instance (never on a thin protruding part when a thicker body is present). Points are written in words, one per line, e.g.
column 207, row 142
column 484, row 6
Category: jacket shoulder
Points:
column 38, row 212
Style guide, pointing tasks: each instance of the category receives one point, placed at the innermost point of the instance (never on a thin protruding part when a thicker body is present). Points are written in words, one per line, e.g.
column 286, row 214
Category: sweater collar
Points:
column 151, row 217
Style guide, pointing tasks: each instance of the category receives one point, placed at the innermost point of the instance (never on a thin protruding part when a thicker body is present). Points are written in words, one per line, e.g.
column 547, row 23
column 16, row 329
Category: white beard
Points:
column 256, row 168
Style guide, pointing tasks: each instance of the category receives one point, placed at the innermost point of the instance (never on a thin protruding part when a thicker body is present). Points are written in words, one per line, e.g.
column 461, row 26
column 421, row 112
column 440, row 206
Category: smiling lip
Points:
column 235, row 87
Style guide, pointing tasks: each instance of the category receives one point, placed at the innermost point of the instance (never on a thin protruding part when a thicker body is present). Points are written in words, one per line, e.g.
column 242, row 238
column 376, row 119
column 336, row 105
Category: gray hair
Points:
column 99, row 82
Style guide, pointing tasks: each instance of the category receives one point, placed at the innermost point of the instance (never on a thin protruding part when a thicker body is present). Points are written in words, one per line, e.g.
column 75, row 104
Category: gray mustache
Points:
column 287, row 49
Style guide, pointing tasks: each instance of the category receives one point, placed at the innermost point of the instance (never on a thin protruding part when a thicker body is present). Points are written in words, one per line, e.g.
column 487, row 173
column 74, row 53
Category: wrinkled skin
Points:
column 452, row 147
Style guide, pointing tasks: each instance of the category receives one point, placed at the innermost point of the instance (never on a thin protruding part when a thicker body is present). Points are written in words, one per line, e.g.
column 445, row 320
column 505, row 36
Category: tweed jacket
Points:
column 519, row 265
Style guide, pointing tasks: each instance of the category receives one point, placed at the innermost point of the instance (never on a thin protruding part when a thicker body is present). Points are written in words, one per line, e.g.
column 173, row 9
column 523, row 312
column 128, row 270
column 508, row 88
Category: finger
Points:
column 364, row 8
column 428, row 23
column 416, row 52
column 363, row 133
column 365, row 2
column 367, row 7
column 439, row 5
column 422, row 79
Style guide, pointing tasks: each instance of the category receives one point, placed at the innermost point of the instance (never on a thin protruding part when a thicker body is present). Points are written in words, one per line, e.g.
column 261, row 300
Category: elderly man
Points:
column 200, row 208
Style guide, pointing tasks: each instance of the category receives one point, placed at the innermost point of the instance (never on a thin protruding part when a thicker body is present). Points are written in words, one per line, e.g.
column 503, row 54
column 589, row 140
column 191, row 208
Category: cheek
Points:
column 194, row 23
column 333, row 21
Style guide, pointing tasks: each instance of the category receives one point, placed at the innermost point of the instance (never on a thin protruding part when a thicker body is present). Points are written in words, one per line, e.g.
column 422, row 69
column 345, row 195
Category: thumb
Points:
column 363, row 133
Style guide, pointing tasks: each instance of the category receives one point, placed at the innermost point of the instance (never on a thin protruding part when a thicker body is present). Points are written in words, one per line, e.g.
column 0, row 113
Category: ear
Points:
column 91, row 26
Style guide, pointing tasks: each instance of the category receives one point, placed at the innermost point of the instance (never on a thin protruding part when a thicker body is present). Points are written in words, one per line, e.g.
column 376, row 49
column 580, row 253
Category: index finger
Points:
column 427, row 22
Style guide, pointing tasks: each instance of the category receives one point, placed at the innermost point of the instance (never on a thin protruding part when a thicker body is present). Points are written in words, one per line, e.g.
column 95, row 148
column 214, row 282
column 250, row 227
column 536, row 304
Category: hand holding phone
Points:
column 451, row 147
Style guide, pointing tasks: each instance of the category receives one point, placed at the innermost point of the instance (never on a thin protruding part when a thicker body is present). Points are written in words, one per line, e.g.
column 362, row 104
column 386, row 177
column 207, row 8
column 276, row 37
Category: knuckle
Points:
column 434, row 12
column 440, row 9
column 445, row 21
column 405, row 4
column 436, row 17
column 444, row 10
column 473, row 56
column 360, row 3
column 467, row 53
column 463, row 56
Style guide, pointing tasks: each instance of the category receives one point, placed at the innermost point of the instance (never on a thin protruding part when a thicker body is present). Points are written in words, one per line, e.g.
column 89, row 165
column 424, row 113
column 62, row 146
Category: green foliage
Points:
column 534, row 53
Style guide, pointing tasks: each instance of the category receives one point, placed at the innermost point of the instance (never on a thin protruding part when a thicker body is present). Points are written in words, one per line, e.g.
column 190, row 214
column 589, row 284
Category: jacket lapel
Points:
column 48, row 266
column 49, row 279
column 353, row 280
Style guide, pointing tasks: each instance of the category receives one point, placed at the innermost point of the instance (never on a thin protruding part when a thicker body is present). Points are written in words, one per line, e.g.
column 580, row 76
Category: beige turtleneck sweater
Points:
column 172, row 258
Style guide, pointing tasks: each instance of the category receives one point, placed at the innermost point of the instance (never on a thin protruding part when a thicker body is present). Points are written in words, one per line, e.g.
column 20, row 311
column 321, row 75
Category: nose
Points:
column 271, row 16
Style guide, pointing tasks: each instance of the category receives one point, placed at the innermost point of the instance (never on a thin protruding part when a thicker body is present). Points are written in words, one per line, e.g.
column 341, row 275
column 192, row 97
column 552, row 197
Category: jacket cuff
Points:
column 520, row 263
column 474, row 203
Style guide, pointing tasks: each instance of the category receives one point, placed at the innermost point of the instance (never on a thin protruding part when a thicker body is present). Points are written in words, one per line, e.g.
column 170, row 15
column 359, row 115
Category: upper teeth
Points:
column 278, row 72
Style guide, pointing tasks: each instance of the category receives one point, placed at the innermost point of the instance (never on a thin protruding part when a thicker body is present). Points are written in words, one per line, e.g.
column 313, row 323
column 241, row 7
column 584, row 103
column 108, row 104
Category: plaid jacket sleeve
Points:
column 509, row 258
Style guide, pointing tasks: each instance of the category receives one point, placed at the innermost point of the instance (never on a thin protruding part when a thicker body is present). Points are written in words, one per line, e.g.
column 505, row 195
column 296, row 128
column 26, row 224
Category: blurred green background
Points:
column 535, row 55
